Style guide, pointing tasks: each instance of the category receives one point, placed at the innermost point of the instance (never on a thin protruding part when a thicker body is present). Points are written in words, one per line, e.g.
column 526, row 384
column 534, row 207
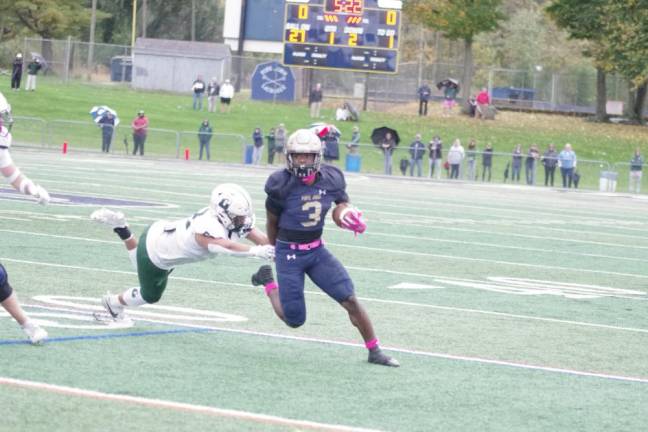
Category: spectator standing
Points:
column 449, row 99
column 16, row 72
column 567, row 164
column 355, row 141
column 281, row 134
column 487, row 161
column 315, row 101
column 417, row 151
column 332, row 146
column 213, row 90
column 32, row 70
column 636, row 167
column 472, row 106
column 549, row 161
column 424, row 93
column 107, row 125
column 198, row 88
column 387, row 146
column 435, row 156
column 471, row 157
column 271, row 145
column 226, row 95
column 516, row 163
column 533, row 155
column 140, row 131
column 483, row 101
column 257, row 138
column 455, row 157
column 205, row 133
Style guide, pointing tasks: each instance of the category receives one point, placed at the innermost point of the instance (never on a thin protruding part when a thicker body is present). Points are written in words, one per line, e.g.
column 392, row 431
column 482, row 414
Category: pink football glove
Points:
column 351, row 219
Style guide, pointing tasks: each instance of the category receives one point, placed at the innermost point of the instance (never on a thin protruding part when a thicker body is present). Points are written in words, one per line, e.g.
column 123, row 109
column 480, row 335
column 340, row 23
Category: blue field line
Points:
column 107, row 336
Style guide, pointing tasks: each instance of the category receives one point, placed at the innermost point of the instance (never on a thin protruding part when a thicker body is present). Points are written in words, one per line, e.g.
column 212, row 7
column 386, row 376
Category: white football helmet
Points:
column 232, row 206
column 303, row 141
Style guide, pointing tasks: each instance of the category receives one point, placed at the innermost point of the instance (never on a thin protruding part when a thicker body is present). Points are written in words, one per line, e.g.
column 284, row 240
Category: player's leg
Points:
column 264, row 277
column 288, row 300
column 9, row 302
column 331, row 277
column 152, row 283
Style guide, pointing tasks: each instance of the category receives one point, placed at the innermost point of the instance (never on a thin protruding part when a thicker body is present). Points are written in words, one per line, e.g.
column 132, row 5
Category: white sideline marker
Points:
column 179, row 406
column 414, row 286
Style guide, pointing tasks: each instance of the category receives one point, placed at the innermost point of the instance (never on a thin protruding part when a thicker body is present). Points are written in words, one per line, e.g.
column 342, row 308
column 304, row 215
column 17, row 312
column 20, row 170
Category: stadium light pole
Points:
column 134, row 26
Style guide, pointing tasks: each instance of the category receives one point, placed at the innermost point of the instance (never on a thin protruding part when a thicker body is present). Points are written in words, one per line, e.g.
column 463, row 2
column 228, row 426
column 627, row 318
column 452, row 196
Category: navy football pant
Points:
column 326, row 271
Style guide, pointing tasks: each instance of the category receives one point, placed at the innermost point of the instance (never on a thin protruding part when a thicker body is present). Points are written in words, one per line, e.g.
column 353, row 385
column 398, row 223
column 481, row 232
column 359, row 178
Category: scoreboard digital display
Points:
column 358, row 35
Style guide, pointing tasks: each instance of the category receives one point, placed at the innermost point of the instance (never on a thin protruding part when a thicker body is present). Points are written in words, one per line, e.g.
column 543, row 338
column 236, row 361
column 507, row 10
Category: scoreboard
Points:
column 358, row 35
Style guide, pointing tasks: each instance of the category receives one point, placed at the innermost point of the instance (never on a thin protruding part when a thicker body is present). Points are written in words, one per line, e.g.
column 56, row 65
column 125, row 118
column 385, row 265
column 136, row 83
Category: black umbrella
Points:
column 448, row 82
column 378, row 135
column 355, row 116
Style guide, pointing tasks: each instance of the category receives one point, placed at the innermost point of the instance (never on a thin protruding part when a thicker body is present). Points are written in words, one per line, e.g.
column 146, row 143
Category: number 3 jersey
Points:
column 301, row 208
column 172, row 243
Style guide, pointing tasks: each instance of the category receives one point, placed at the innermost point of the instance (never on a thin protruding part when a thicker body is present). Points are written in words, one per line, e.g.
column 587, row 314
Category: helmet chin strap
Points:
column 309, row 178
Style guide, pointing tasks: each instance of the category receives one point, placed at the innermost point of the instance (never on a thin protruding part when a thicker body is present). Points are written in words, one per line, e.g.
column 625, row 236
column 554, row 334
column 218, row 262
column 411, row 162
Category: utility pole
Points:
column 144, row 14
column 193, row 20
column 134, row 24
column 93, row 21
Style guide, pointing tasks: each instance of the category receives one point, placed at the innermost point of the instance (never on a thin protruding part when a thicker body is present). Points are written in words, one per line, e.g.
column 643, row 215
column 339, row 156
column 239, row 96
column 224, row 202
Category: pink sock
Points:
column 270, row 286
column 373, row 343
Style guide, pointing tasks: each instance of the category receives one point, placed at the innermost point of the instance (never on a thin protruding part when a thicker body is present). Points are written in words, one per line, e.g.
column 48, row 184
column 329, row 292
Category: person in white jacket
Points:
column 226, row 95
column 455, row 157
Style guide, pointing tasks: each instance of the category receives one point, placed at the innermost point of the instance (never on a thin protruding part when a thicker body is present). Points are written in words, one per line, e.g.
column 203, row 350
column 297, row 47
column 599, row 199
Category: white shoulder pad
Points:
column 5, row 138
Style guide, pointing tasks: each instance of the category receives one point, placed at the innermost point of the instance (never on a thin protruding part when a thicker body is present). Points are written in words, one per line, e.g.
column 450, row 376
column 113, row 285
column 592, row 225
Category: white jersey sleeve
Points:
column 5, row 144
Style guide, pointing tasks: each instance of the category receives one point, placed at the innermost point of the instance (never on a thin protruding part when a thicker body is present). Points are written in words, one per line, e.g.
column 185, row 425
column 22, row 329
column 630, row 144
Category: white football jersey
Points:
column 5, row 143
column 171, row 243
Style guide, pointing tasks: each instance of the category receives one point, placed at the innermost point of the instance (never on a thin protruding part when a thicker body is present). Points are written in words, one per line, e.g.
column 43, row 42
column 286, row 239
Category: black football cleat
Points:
column 376, row 356
column 263, row 276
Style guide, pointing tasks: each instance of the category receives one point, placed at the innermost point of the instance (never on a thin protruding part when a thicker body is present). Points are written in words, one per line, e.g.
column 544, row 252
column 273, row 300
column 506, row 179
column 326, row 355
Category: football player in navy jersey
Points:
column 298, row 199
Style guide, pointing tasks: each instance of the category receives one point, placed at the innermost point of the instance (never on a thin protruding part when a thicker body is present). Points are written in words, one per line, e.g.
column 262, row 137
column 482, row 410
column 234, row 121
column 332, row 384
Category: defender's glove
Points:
column 41, row 195
column 351, row 219
column 266, row 252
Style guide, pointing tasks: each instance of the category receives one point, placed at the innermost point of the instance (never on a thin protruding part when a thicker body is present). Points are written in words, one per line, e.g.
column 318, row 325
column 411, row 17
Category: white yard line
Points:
column 179, row 406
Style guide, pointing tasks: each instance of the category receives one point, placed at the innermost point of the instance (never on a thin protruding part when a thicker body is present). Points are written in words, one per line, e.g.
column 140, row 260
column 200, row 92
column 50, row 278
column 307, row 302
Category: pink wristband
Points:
column 270, row 286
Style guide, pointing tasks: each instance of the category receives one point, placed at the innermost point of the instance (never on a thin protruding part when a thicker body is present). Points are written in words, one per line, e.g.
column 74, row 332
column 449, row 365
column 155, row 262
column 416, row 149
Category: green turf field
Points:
column 508, row 310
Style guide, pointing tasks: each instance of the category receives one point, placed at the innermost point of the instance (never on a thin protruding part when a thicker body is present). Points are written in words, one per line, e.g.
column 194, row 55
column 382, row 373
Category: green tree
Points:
column 50, row 19
column 626, row 33
column 458, row 20
column 583, row 20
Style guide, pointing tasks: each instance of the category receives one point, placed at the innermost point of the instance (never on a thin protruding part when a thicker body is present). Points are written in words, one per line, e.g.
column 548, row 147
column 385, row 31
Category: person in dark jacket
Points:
column 516, row 163
column 315, row 101
column 16, row 72
column 487, row 161
column 550, row 161
column 530, row 164
column 435, row 157
column 636, row 167
column 424, row 93
column 204, row 138
column 32, row 70
column 417, row 151
column 107, row 125
column 331, row 146
column 257, row 138
column 271, row 145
